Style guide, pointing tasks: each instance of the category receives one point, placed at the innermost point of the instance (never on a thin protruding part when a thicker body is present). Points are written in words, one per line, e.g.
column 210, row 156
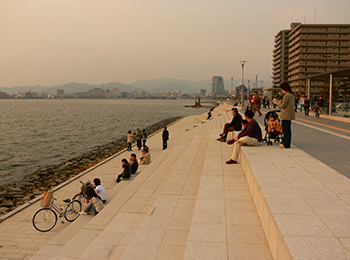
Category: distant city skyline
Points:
column 56, row 42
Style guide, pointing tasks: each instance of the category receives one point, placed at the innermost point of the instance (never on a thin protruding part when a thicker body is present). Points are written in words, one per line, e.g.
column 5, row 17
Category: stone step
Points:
column 128, row 207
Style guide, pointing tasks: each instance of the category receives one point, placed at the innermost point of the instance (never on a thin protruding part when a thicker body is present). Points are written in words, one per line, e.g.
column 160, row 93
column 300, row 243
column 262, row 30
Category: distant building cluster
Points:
column 96, row 93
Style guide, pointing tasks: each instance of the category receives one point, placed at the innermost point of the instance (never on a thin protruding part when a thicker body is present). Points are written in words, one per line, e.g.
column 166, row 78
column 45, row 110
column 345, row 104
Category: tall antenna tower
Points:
column 315, row 15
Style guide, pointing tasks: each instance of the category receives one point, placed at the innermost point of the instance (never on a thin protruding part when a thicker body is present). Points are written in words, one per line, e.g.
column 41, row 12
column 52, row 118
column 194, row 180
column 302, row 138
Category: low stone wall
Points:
column 31, row 186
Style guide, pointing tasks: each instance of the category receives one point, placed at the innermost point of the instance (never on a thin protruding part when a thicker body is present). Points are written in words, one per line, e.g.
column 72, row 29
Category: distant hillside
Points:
column 162, row 85
column 165, row 84
column 70, row 88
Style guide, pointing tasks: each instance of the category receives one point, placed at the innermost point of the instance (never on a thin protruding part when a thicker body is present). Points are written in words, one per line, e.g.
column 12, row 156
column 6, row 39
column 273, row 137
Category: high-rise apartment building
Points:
column 281, row 57
column 312, row 49
column 217, row 85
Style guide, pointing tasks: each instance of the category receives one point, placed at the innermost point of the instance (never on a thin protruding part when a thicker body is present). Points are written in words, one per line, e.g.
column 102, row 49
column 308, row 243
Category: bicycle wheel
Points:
column 72, row 210
column 44, row 219
column 80, row 197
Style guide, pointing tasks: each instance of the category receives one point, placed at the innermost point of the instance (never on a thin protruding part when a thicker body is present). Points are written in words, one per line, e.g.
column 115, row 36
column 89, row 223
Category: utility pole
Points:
column 248, row 92
column 242, row 96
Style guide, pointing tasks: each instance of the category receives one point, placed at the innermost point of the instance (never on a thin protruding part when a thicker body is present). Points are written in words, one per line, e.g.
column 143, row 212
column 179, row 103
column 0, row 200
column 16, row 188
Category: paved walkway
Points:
column 188, row 204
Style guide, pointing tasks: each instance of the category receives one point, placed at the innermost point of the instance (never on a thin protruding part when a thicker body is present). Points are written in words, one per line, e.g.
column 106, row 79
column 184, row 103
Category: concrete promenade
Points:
column 189, row 204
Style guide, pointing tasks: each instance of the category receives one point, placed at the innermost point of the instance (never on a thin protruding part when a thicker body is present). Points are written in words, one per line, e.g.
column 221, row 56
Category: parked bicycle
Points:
column 45, row 219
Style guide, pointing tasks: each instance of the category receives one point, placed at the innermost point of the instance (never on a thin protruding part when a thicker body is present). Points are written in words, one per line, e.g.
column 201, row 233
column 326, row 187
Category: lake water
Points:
column 38, row 133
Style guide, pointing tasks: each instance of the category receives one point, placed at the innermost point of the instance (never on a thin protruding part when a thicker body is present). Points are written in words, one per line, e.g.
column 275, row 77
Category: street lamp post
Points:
column 242, row 96
column 232, row 87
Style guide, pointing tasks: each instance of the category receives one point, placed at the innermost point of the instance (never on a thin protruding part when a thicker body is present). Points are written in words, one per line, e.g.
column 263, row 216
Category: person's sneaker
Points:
column 82, row 213
column 219, row 139
column 221, row 134
column 223, row 140
column 231, row 161
column 231, row 141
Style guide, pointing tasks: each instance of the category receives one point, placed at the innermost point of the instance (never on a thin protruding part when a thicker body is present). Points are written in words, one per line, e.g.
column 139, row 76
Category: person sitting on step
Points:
column 235, row 125
column 250, row 135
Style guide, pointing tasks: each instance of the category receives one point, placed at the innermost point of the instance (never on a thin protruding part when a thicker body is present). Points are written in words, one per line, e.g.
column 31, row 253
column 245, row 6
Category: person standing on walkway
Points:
column 302, row 103
column 320, row 103
column 306, row 106
column 274, row 102
column 256, row 105
column 250, row 135
column 235, row 125
column 165, row 137
column 287, row 105
column 144, row 139
column 264, row 102
column 129, row 140
column 296, row 102
column 267, row 103
column 138, row 138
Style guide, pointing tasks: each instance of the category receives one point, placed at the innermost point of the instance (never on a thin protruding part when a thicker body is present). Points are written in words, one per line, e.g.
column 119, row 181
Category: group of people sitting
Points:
column 96, row 196
column 131, row 166
column 250, row 135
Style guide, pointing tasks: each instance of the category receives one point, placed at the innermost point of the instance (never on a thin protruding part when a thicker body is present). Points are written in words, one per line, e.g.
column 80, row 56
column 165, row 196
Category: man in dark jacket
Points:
column 250, row 135
column 165, row 137
column 235, row 125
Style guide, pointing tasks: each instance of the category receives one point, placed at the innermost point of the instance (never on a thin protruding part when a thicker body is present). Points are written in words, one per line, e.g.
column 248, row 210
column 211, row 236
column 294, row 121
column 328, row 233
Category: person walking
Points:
column 144, row 139
column 129, row 140
column 165, row 137
column 306, row 106
column 138, row 138
column 287, row 105
column 320, row 103
column 256, row 102
column 296, row 102
column 267, row 103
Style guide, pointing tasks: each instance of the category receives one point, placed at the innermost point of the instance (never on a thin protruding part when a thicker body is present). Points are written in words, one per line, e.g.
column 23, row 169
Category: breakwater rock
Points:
column 35, row 184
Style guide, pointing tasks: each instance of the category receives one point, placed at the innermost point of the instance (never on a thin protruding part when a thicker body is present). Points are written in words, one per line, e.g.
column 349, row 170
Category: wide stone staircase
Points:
column 187, row 204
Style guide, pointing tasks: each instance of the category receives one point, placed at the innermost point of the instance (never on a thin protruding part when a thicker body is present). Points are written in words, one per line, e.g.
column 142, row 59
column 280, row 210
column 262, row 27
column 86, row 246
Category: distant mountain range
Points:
column 156, row 86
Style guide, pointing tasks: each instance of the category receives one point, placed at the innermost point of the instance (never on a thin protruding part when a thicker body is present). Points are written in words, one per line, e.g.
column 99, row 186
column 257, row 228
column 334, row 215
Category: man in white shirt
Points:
column 100, row 190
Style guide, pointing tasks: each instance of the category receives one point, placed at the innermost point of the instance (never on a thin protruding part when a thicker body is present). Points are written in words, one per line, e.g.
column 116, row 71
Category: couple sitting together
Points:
column 250, row 135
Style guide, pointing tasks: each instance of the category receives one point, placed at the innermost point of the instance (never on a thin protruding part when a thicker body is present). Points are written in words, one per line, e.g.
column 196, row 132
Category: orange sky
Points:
column 52, row 42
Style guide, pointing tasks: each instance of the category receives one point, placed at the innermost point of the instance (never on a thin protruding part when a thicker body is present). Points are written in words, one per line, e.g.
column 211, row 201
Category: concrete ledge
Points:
column 303, row 204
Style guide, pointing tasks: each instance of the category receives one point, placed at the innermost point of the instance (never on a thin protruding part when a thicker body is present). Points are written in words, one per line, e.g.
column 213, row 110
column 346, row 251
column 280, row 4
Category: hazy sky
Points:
column 52, row 42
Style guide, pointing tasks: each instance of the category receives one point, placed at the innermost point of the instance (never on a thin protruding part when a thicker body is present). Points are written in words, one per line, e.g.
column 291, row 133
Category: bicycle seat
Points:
column 66, row 200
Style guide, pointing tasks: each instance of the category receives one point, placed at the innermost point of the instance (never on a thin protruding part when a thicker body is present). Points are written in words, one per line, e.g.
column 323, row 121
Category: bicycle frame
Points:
column 58, row 210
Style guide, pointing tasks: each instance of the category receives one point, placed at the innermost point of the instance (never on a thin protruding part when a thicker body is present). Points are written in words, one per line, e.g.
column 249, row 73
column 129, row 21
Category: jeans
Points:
column 287, row 133
column 92, row 207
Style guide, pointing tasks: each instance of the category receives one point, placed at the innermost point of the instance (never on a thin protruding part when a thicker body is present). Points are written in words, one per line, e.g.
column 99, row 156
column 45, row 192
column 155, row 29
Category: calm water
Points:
column 38, row 133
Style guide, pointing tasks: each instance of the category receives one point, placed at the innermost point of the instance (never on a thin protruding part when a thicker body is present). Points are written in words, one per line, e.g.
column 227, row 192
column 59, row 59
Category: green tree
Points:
column 344, row 89
column 325, row 93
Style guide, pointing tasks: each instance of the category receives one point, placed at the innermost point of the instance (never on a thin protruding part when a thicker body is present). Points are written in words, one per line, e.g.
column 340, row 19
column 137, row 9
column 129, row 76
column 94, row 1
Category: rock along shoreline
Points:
column 17, row 194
